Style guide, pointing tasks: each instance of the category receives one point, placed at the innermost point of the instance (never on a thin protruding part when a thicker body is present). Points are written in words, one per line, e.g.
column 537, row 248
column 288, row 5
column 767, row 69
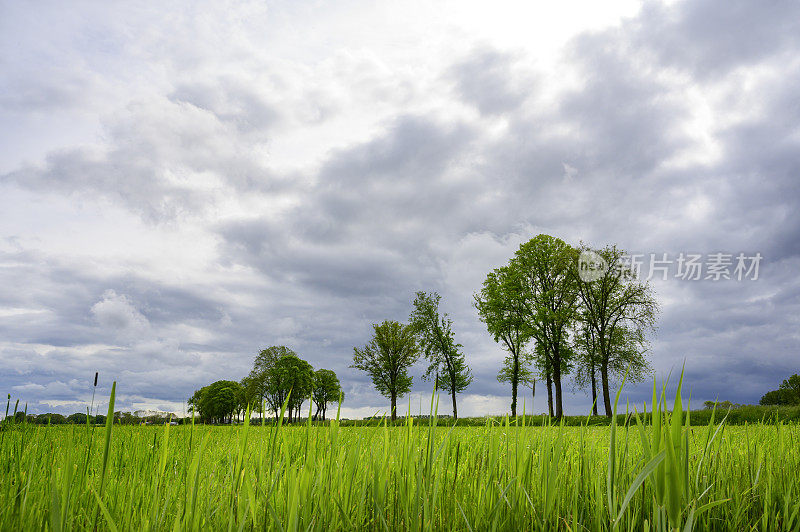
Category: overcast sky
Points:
column 183, row 185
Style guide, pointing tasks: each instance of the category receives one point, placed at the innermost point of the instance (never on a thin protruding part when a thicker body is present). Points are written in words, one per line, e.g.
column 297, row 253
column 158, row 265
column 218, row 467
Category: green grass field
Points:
column 659, row 476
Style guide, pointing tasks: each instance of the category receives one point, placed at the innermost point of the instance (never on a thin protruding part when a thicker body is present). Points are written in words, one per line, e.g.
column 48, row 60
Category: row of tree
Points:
column 57, row 419
column 80, row 418
column 278, row 374
column 554, row 308
column 395, row 347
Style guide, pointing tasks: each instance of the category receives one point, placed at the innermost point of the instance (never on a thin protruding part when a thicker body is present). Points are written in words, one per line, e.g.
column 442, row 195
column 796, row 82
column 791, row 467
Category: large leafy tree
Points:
column 437, row 340
column 792, row 387
column 194, row 400
column 289, row 374
column 788, row 393
column 249, row 394
column 545, row 265
column 218, row 401
column 775, row 398
column 258, row 378
column 326, row 390
column 386, row 358
column 263, row 362
column 618, row 310
column 501, row 307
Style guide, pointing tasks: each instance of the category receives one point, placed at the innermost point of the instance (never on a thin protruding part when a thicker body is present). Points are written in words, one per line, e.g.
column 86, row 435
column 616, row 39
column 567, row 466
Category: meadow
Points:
column 659, row 475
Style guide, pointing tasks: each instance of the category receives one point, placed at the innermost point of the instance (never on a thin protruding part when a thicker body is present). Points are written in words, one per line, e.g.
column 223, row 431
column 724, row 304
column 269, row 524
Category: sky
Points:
column 183, row 185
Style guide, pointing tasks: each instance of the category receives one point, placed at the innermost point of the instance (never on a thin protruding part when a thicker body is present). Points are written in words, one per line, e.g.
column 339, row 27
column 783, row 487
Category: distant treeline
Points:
column 740, row 415
column 78, row 418
column 733, row 414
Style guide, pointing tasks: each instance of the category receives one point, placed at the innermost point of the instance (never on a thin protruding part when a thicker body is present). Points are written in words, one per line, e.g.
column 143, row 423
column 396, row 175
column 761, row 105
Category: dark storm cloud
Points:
column 161, row 148
column 362, row 228
column 486, row 79
column 122, row 175
column 122, row 326
column 712, row 37
column 763, row 159
column 67, row 293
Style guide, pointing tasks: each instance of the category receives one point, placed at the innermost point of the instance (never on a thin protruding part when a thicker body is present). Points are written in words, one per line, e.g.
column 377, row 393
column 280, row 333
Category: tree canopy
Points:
column 788, row 393
column 276, row 372
column 501, row 308
column 216, row 402
column 545, row 265
column 434, row 333
column 326, row 390
column 288, row 374
column 387, row 358
column 616, row 311
column 257, row 381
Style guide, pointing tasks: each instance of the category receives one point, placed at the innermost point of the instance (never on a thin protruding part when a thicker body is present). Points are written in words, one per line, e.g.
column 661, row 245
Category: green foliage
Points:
column 288, row 374
column 387, row 358
column 545, row 265
column 501, row 307
column 260, row 383
column 435, row 336
column 616, row 310
column 218, row 401
column 249, row 394
column 792, row 388
column 788, row 393
column 326, row 390
column 54, row 419
column 276, row 371
column 722, row 405
column 515, row 371
column 78, row 418
column 775, row 397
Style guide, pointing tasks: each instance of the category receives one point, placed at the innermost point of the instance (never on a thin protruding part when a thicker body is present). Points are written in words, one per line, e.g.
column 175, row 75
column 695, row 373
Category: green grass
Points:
column 503, row 476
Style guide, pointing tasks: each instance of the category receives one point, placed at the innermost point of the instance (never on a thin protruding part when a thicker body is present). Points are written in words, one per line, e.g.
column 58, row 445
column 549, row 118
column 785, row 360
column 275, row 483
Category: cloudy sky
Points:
column 181, row 188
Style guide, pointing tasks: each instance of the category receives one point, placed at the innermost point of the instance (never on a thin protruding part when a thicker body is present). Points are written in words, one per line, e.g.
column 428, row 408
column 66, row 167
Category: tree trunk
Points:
column 606, row 394
column 533, row 396
column 514, row 382
column 557, row 383
column 549, row 393
column 594, row 388
column 394, row 406
column 455, row 410
column 513, row 397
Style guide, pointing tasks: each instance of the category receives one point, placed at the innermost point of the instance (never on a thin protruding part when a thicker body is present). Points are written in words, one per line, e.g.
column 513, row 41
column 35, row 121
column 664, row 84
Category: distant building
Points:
column 151, row 413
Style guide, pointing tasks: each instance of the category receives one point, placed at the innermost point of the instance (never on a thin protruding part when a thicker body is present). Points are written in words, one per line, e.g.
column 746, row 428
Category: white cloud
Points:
column 117, row 312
